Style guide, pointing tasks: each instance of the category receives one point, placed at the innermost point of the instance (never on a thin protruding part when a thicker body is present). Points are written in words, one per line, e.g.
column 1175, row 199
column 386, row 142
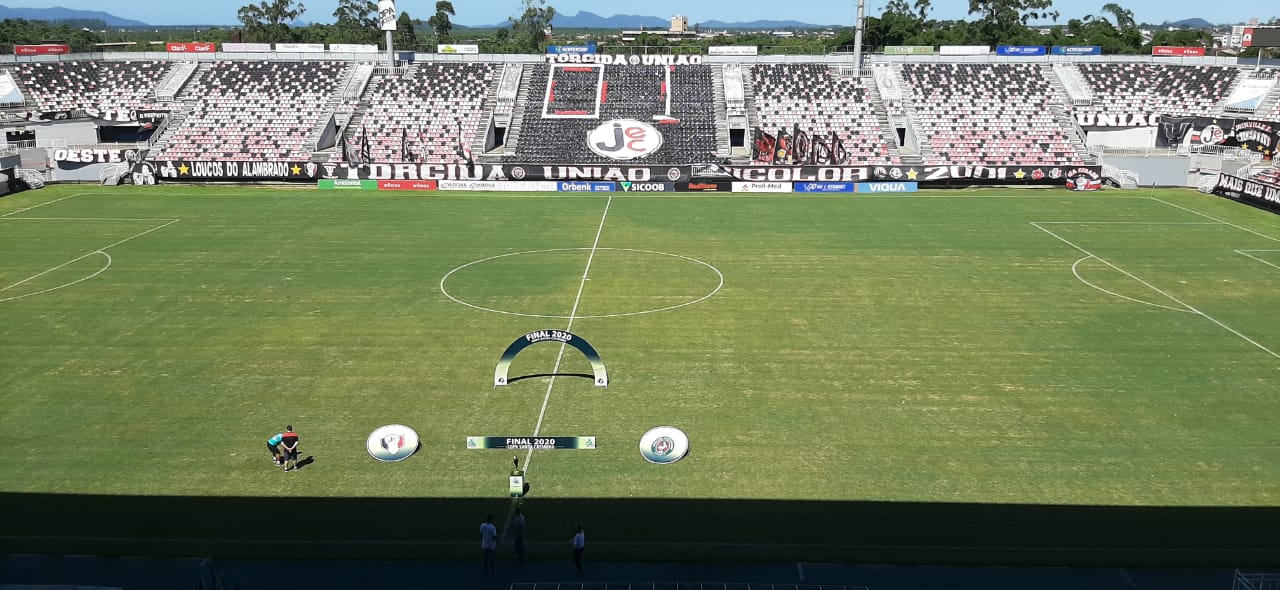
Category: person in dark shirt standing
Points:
column 290, row 443
column 579, row 545
column 517, row 530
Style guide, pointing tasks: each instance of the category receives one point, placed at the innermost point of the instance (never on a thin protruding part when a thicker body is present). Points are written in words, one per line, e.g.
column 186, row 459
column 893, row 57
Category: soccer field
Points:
column 987, row 347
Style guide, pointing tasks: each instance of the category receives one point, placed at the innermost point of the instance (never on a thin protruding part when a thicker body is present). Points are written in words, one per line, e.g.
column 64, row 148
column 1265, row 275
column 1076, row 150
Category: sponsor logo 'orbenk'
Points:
column 624, row 139
column 391, row 443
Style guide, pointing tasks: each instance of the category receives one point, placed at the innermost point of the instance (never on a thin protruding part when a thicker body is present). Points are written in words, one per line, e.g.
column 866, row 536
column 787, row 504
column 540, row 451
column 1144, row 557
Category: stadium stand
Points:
column 812, row 98
column 250, row 110
column 427, row 115
column 1157, row 88
column 105, row 86
column 994, row 114
column 1269, row 176
column 553, row 128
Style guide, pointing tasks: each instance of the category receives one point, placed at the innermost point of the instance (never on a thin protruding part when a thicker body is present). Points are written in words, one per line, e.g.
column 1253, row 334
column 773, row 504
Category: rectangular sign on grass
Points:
column 536, row 443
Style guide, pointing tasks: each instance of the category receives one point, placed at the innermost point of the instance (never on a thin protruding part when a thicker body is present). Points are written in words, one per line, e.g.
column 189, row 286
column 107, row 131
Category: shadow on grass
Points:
column 646, row 529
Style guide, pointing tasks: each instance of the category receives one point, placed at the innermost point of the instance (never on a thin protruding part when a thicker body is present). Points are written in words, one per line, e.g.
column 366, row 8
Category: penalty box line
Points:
column 1170, row 297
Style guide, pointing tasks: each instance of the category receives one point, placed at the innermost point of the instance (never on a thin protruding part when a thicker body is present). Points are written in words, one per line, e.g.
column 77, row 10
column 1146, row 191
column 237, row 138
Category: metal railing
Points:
column 1255, row 581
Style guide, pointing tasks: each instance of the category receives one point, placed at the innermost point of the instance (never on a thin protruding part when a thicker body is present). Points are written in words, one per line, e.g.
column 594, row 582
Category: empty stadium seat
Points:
column 103, row 86
column 814, row 100
column 1165, row 89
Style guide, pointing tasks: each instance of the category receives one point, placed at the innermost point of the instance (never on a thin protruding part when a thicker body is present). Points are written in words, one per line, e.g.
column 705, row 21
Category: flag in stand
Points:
column 464, row 152
column 765, row 145
column 364, row 145
column 404, row 144
column 349, row 152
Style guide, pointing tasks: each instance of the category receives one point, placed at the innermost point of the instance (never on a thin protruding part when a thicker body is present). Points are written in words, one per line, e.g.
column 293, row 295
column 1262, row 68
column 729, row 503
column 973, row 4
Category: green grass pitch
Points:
column 995, row 347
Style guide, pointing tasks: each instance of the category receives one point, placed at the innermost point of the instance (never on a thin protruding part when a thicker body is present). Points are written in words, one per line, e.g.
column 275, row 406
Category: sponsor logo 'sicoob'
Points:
column 664, row 444
column 394, row 442
column 624, row 139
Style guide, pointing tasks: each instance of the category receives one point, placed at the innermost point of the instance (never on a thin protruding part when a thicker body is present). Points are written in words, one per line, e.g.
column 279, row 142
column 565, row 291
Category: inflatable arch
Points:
column 599, row 375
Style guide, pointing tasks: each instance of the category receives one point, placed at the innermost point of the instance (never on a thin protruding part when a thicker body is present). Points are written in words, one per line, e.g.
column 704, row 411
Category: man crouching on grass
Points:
column 273, row 445
column 290, row 442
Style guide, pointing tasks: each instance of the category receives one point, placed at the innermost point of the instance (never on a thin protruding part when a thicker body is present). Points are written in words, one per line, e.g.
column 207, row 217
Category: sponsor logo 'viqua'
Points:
column 391, row 443
column 624, row 139
column 664, row 445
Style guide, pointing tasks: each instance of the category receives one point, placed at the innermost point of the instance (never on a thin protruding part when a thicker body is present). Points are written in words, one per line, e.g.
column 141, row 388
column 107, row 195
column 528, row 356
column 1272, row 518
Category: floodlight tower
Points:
column 857, row 38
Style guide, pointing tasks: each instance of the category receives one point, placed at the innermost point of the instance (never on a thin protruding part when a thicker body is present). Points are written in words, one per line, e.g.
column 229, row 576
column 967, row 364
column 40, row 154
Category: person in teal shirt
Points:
column 273, row 445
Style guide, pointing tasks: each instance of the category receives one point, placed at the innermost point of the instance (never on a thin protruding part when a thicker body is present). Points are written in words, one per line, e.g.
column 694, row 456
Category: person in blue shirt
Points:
column 273, row 445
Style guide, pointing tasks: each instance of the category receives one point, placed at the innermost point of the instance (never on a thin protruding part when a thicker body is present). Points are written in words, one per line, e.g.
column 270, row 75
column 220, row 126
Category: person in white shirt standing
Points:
column 579, row 543
column 489, row 544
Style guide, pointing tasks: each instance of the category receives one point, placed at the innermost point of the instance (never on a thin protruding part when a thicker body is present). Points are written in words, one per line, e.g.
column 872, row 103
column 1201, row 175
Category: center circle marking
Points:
column 446, row 276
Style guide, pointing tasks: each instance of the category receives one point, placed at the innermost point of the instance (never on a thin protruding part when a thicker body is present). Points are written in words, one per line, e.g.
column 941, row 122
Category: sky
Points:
column 489, row 12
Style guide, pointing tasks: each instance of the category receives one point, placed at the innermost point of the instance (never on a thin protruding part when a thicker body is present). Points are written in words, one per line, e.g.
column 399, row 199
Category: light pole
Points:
column 857, row 39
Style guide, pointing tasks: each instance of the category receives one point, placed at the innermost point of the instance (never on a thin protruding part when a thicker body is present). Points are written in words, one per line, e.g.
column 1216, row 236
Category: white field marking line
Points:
column 41, row 204
column 80, row 280
column 1125, row 222
column 1076, row 271
column 1247, row 253
column 1167, row 295
column 84, row 219
column 1239, row 227
column 562, row 317
column 99, row 250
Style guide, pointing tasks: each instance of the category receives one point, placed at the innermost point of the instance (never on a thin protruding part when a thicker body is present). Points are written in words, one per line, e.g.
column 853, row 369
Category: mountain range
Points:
column 58, row 13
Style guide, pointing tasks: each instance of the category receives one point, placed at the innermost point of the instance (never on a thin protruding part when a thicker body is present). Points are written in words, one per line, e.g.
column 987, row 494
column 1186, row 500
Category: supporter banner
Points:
column 1173, row 130
column 300, row 47
column 887, row 187
column 94, row 156
column 9, row 182
column 1167, row 51
column 47, row 115
column 588, row 49
column 762, row 187
column 647, row 187
column 1077, row 50
column 126, row 116
column 733, row 50
column 190, row 47
column 407, row 185
column 922, row 174
column 1084, row 178
column 824, row 187
column 1021, row 50
column 47, row 49
column 586, row 187
column 908, row 50
column 1249, row 191
column 9, row 91
column 246, row 47
column 498, row 186
column 351, row 48
column 964, row 50
column 797, row 146
column 210, row 170
column 1248, row 96
column 461, row 49
column 1248, row 134
column 704, row 187
column 623, row 60
column 387, row 15
column 1121, row 120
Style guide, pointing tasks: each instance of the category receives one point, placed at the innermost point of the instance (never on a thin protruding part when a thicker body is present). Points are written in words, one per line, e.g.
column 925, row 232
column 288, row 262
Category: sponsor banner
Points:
column 920, row 174
column 908, row 50
column 586, row 187
column 343, row 184
column 61, row 156
column 190, row 47
column 1258, row 194
column 824, row 187
column 387, row 15
column 352, row 48
column 1167, row 51
column 964, row 50
column 1077, row 50
column 9, row 91
column 212, row 170
column 1248, row 96
column 1258, row 136
column 407, row 185
column 762, row 187
column 537, row 443
column 459, row 49
column 1246, row 37
column 1084, row 178
column 733, row 50
column 704, row 187
column 588, row 49
column 623, row 60
column 246, row 48
column 647, row 187
column 1021, row 50
column 1117, row 120
column 300, row 47
column 888, row 187
column 46, row 49
column 502, row 186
